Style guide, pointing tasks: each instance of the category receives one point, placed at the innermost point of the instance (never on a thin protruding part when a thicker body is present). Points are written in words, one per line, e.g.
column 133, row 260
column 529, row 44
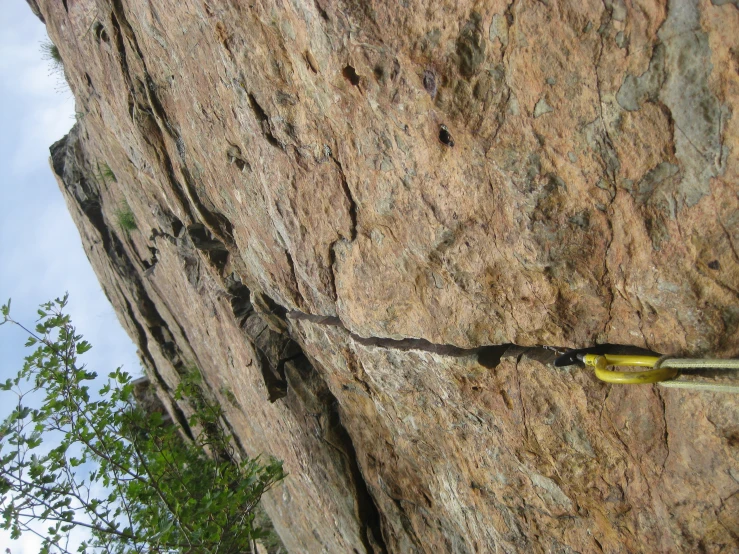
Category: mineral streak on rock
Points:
column 351, row 285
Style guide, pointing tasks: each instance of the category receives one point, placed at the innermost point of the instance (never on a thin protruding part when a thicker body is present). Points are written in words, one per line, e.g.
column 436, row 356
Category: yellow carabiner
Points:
column 601, row 361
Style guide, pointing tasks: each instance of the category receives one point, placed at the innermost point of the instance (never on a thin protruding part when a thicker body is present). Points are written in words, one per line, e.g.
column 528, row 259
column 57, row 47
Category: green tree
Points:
column 161, row 493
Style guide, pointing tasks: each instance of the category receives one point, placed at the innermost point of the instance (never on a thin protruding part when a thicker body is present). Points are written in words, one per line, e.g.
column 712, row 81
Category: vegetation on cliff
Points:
column 102, row 463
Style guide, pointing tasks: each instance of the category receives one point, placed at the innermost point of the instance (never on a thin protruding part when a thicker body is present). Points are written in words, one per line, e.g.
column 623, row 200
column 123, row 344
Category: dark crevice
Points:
column 368, row 514
column 488, row 353
column 332, row 268
column 100, row 33
column 213, row 248
column 234, row 156
column 291, row 263
column 321, row 11
column 177, row 227
column 350, row 74
column 272, row 347
column 142, row 341
column 217, row 223
column 490, row 356
column 352, row 219
column 151, row 262
column 349, row 197
column 155, row 136
column 273, row 307
column 259, row 112
column 275, row 383
column 509, row 17
column 239, row 298
column 174, row 183
column 310, row 397
column 122, row 57
column 406, row 523
column 263, row 120
column 68, row 162
column 285, row 367
column 143, row 345
column 166, row 343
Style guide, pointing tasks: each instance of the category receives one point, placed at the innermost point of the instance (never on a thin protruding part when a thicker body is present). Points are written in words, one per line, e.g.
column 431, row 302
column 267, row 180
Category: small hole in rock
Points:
column 445, row 136
column 322, row 12
column 177, row 226
column 429, row 82
column 714, row 264
column 100, row 32
column 350, row 74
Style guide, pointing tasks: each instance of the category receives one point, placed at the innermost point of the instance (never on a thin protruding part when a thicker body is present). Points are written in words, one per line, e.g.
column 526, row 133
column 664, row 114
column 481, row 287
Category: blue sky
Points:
column 41, row 256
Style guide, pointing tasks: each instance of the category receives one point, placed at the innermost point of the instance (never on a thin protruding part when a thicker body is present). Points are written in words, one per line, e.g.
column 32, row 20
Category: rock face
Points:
column 363, row 221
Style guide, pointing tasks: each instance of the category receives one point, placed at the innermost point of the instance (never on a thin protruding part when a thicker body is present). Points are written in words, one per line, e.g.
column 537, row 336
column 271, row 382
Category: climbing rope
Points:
column 663, row 370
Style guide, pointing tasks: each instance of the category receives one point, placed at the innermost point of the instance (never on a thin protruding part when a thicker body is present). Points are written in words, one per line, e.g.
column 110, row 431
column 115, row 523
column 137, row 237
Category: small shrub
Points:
column 124, row 217
column 73, row 459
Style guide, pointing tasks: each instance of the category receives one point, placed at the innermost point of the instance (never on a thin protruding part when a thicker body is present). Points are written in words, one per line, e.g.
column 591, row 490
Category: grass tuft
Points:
column 104, row 174
column 230, row 396
column 125, row 217
column 51, row 53
column 107, row 173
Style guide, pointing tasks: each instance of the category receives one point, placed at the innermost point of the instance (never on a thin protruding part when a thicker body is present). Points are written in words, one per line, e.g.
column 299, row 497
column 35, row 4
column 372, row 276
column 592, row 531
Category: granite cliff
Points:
column 371, row 226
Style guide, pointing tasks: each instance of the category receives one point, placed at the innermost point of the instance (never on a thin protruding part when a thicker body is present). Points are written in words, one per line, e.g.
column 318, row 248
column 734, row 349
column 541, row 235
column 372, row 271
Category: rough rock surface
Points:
column 345, row 209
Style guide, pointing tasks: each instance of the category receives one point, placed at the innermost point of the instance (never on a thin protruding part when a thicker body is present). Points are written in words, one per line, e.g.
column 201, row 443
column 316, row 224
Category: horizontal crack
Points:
column 488, row 356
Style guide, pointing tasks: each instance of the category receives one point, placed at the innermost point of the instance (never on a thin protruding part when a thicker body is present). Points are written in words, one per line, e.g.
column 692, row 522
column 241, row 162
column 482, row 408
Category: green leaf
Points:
column 83, row 347
column 173, row 492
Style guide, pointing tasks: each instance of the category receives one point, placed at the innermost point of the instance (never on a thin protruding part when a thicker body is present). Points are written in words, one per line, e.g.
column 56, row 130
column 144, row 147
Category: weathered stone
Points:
column 527, row 457
column 346, row 208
